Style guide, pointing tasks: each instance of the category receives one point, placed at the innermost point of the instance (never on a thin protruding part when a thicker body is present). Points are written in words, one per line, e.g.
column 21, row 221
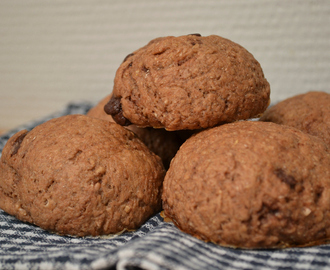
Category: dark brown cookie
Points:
column 163, row 143
column 309, row 112
column 188, row 82
column 78, row 175
column 251, row 184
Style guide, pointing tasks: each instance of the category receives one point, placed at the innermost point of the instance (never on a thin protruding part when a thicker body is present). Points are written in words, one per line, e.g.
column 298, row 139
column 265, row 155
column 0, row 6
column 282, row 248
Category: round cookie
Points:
column 188, row 82
column 309, row 112
column 251, row 184
column 163, row 143
column 76, row 175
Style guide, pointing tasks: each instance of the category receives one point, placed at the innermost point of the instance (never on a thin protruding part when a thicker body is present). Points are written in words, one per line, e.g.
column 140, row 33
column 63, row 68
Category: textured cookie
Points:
column 251, row 184
column 163, row 143
column 309, row 112
column 78, row 175
column 188, row 82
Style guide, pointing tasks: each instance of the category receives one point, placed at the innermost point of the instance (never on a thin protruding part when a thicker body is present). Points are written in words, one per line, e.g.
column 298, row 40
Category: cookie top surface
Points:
column 251, row 185
column 188, row 82
column 80, row 176
column 163, row 143
column 309, row 112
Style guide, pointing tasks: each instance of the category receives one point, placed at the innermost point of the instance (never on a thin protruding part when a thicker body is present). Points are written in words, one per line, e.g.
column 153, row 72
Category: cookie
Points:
column 163, row 143
column 76, row 175
column 309, row 112
column 251, row 184
column 188, row 82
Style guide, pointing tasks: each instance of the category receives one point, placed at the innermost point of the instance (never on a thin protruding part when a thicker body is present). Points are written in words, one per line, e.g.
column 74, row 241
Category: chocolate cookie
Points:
column 251, row 184
column 163, row 143
column 78, row 175
column 188, row 82
column 309, row 112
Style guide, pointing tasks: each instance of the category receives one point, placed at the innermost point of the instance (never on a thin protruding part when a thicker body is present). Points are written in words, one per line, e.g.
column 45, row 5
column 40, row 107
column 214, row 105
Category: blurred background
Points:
column 55, row 52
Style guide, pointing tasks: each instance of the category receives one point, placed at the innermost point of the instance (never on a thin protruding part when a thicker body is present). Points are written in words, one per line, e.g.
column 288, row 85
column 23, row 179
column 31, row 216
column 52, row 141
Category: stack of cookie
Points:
column 239, row 183
column 175, row 133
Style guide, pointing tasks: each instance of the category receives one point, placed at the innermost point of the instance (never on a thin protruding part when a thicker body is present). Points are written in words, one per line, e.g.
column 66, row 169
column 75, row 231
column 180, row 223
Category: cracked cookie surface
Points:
column 78, row 175
column 188, row 82
column 251, row 184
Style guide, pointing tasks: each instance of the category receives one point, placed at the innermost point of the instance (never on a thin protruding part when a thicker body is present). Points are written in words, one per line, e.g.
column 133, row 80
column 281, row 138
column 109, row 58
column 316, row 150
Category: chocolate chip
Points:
column 195, row 34
column 318, row 193
column 128, row 56
column 18, row 142
column 145, row 69
column 287, row 179
column 193, row 42
column 113, row 107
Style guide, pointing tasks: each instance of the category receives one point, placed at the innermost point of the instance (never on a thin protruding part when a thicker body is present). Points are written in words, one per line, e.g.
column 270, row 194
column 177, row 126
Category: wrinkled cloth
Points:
column 156, row 245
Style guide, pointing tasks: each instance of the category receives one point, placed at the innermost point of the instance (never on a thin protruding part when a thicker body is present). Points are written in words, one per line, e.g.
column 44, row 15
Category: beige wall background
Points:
column 54, row 52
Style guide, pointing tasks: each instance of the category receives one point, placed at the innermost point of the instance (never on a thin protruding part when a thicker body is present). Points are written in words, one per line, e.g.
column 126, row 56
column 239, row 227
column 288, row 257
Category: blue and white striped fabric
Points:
column 156, row 245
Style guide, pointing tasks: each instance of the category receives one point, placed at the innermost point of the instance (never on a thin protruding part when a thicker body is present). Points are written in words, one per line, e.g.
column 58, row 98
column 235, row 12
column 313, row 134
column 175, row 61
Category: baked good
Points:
column 163, row 143
column 188, row 82
column 76, row 175
column 309, row 112
column 251, row 184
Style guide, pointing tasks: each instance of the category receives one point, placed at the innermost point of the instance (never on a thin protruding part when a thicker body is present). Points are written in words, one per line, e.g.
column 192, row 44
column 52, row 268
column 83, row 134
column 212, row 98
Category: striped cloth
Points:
column 156, row 245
